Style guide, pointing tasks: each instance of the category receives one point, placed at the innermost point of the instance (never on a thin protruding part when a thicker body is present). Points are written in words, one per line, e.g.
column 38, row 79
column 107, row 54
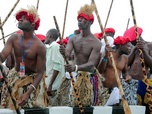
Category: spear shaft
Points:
column 71, row 77
column 125, row 103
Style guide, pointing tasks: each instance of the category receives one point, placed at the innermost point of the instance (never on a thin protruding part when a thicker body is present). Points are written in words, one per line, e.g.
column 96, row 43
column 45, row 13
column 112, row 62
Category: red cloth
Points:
column 89, row 18
column 98, row 35
column 120, row 40
column 131, row 34
column 107, row 30
column 41, row 37
column 30, row 17
column 64, row 41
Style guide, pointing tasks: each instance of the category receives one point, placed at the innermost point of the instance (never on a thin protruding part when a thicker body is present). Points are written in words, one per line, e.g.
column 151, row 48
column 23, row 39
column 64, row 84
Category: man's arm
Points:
column 7, row 48
column 125, row 73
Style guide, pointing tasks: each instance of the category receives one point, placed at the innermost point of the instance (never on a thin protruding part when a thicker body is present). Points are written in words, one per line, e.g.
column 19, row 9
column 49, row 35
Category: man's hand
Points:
column 143, row 46
column 23, row 99
column 49, row 90
column 69, row 68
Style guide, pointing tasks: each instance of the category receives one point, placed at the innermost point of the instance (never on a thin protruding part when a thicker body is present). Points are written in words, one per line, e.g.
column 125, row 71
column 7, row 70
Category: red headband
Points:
column 120, row 40
column 98, row 35
column 131, row 34
column 30, row 17
column 109, row 30
column 89, row 18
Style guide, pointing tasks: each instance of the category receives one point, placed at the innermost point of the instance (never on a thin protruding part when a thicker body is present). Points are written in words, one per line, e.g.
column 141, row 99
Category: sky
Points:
column 119, row 15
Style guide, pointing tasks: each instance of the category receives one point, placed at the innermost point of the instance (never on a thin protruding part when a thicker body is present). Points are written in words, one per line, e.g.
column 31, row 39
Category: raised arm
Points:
column 7, row 48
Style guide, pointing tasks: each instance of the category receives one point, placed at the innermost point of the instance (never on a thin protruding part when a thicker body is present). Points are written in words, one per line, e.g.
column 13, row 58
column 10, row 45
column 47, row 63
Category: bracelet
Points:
column 104, row 59
column 76, row 68
column 33, row 86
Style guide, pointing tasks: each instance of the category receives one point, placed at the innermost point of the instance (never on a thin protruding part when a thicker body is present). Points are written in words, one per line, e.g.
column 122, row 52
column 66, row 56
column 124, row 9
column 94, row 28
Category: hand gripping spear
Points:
column 125, row 103
column 145, row 80
column 73, row 83
column 9, row 89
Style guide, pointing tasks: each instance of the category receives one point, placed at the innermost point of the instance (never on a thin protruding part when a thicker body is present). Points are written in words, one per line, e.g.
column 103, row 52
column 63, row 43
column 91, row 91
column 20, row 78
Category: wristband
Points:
column 33, row 86
column 76, row 68
column 104, row 59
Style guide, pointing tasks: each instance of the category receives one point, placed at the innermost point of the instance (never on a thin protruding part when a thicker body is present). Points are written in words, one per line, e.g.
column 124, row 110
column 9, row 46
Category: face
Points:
column 126, row 48
column 24, row 24
column 47, row 39
column 83, row 23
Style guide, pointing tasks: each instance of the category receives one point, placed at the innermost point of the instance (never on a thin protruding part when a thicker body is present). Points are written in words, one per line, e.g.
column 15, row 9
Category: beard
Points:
column 24, row 27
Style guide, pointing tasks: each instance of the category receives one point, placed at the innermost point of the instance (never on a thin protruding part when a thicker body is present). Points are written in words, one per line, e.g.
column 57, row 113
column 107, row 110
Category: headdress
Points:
column 99, row 35
column 86, row 12
column 131, row 33
column 31, row 14
column 107, row 30
column 120, row 40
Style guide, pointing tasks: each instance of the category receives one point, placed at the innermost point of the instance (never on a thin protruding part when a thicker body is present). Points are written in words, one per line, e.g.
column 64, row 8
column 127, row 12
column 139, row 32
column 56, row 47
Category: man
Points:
column 86, row 54
column 55, row 70
column 121, row 61
column 27, row 77
column 135, row 66
column 110, row 32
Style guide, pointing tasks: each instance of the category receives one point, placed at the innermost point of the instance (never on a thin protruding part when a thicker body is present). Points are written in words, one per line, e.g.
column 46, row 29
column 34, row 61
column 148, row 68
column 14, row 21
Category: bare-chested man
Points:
column 135, row 67
column 122, row 45
column 86, row 54
column 27, row 78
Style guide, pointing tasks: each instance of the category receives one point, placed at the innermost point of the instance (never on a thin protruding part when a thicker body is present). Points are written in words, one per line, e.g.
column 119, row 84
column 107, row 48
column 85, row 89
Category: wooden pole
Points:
column 10, row 13
column 65, row 18
column 108, row 14
column 8, row 35
column 2, row 32
column 37, row 7
column 124, row 101
column 9, row 89
column 72, row 79
column 128, row 23
column 145, row 80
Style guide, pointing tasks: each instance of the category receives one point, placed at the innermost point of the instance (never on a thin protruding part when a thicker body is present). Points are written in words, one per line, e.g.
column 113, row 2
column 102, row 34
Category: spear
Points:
column 10, row 13
column 145, row 80
column 72, row 79
column 65, row 18
column 124, row 101
column 108, row 14
column 128, row 23
column 9, row 89
column 37, row 7
column 8, row 35
column 2, row 32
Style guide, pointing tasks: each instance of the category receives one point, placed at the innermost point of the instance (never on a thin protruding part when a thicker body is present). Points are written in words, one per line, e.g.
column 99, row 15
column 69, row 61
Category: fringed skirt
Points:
column 19, row 86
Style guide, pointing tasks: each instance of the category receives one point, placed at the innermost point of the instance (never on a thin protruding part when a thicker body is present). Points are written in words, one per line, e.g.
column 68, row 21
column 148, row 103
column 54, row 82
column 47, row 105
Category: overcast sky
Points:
column 118, row 18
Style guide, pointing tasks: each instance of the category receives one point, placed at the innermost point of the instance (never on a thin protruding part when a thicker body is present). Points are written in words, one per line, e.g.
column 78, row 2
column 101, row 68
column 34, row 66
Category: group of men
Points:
column 39, row 75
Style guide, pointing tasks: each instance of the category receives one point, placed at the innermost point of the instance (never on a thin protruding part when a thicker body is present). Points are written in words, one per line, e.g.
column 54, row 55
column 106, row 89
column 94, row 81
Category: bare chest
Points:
column 83, row 47
column 25, row 50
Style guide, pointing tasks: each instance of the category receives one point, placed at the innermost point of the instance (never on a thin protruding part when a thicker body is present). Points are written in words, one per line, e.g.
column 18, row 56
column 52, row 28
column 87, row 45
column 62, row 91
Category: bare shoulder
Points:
column 39, row 46
column 149, row 44
column 96, row 42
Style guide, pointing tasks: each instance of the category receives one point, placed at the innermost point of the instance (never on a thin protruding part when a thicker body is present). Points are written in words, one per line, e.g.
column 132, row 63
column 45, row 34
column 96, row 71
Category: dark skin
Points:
column 49, row 39
column 135, row 69
column 121, row 62
column 35, row 59
column 86, row 48
column 10, row 61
